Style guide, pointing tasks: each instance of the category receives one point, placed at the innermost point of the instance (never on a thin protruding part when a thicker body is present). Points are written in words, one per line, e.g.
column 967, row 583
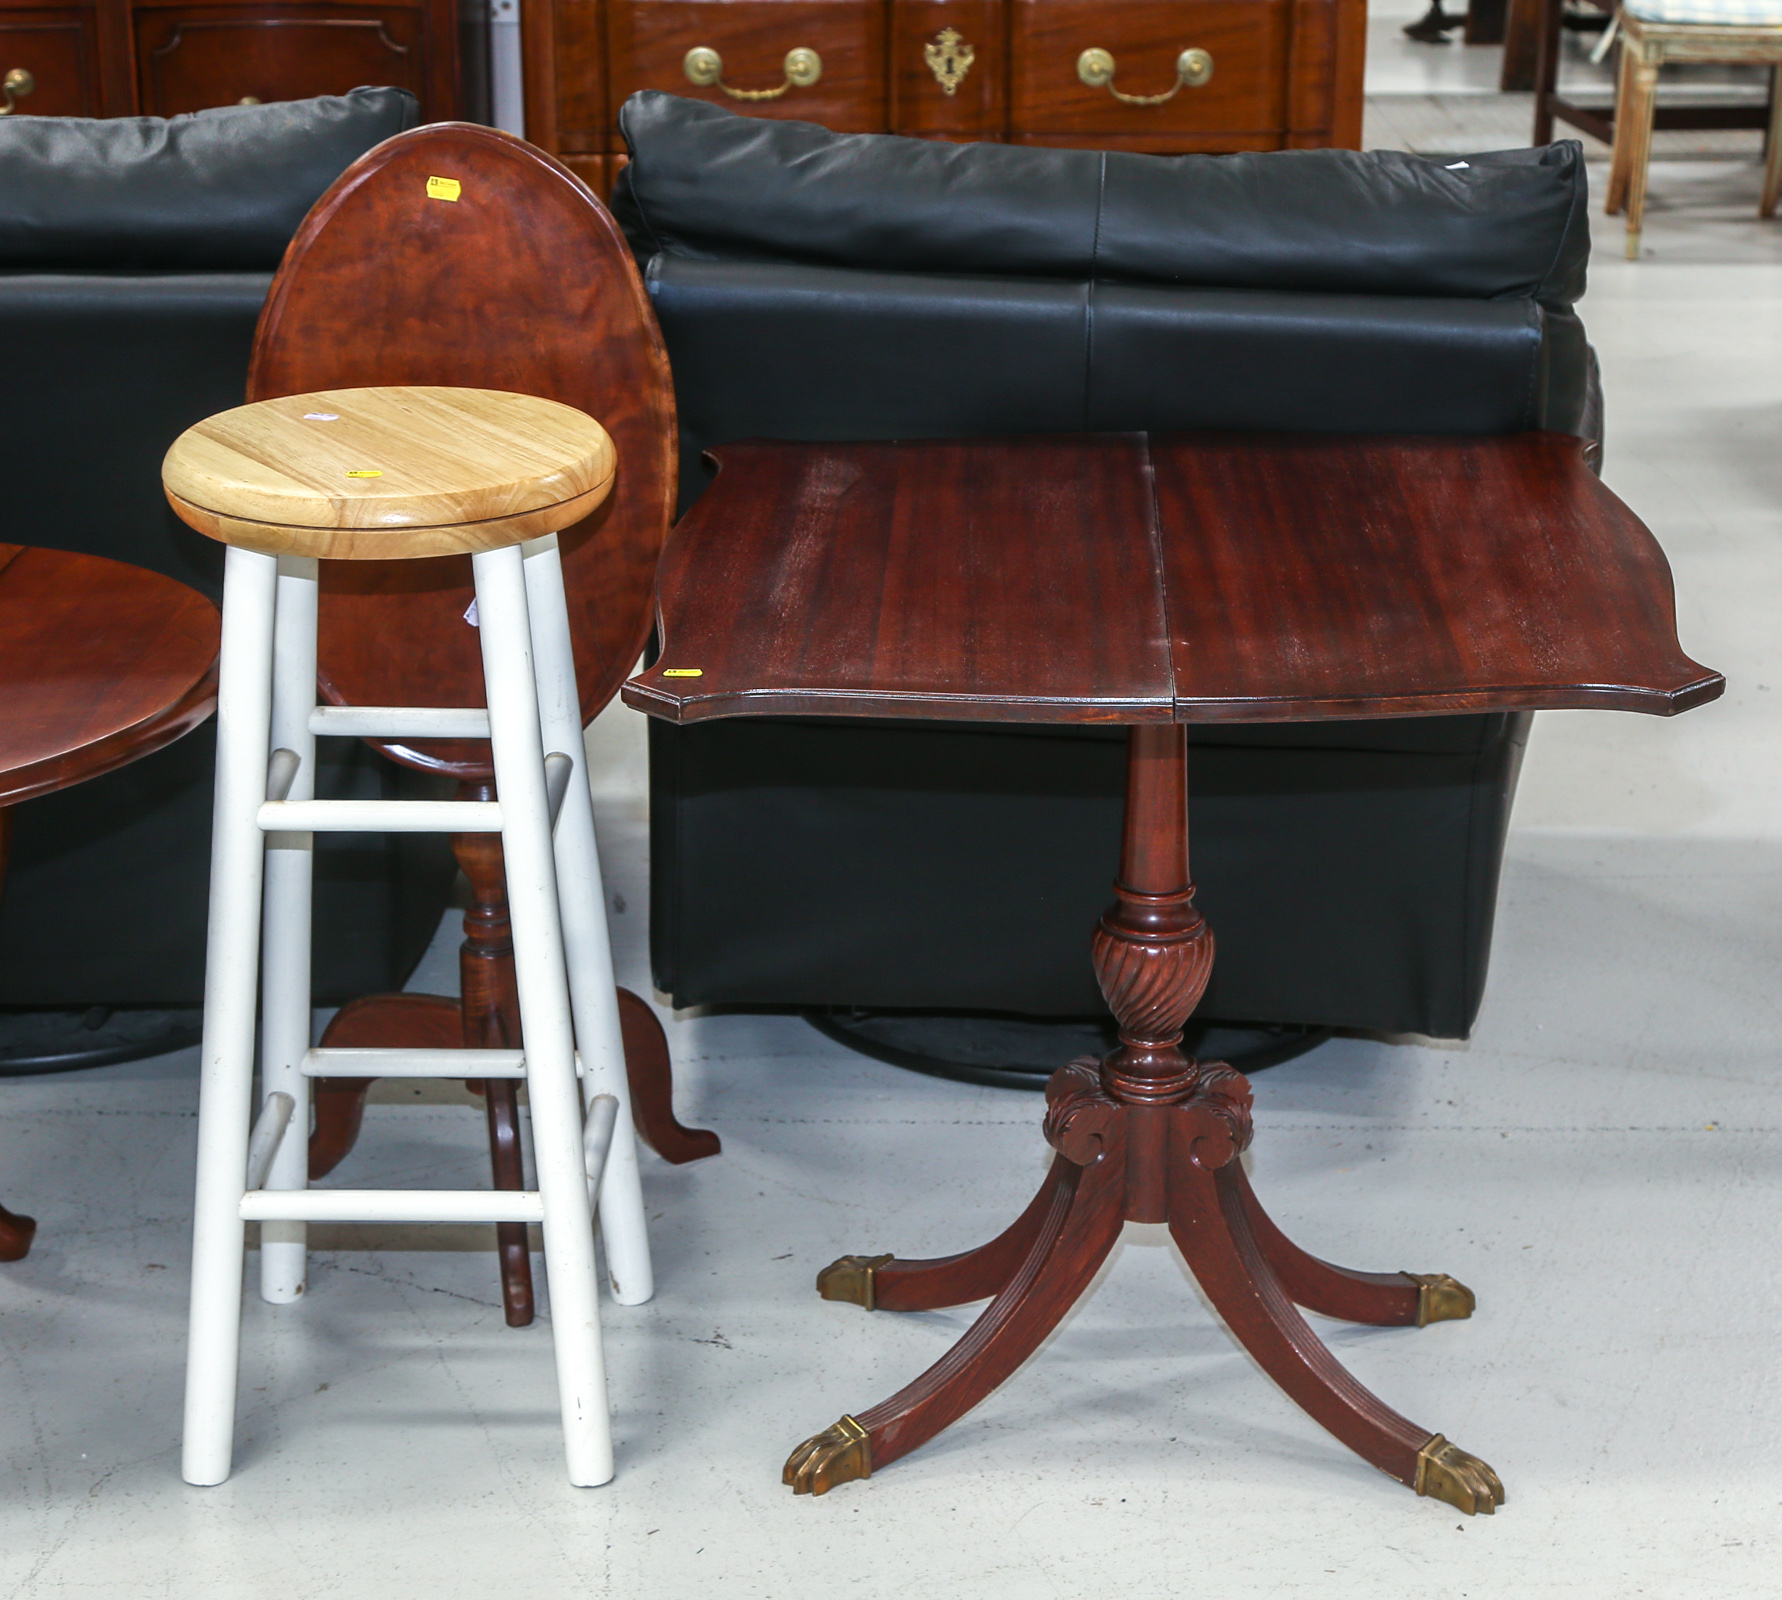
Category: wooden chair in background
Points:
column 1656, row 33
column 531, row 288
column 1531, row 61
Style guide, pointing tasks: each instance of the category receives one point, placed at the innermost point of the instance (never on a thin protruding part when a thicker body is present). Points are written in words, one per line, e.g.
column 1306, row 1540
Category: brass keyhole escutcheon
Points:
column 16, row 85
column 1194, row 68
column 704, row 69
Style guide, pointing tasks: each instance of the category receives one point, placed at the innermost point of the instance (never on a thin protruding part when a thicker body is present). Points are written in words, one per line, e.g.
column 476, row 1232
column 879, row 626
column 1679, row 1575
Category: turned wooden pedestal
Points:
column 1158, row 581
column 487, row 1017
column 1147, row 1135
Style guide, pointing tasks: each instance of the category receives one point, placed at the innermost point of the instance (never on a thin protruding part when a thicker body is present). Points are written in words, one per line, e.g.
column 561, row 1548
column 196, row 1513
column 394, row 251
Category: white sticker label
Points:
column 470, row 614
column 321, row 416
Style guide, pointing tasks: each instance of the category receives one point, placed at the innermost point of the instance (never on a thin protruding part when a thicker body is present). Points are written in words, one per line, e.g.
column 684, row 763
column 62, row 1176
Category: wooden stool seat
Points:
column 389, row 474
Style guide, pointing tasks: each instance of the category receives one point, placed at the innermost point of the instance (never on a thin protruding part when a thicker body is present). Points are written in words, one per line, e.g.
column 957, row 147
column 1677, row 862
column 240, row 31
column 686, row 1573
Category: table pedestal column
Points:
column 1147, row 1135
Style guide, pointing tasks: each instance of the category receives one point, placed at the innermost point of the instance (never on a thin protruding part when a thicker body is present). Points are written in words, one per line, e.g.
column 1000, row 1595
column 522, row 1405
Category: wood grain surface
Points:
column 647, row 46
column 100, row 663
column 524, row 283
column 1013, row 580
column 1235, row 578
column 388, row 473
column 1324, row 576
column 1246, row 95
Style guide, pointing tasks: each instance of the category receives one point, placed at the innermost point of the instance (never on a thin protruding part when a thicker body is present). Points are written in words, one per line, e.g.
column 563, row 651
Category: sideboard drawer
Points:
column 59, row 48
column 1242, row 101
column 649, row 42
column 191, row 58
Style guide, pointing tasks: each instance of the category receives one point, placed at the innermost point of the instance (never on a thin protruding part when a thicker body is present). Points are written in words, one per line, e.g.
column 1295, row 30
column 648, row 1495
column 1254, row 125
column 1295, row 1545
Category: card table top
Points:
column 1135, row 578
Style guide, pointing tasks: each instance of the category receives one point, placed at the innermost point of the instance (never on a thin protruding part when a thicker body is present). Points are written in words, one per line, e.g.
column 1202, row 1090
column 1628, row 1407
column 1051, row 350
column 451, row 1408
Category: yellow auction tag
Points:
column 444, row 188
column 364, row 472
column 683, row 672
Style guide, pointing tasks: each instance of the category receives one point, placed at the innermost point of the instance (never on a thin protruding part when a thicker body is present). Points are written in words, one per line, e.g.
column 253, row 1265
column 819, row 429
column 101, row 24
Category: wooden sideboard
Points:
column 1186, row 75
column 113, row 58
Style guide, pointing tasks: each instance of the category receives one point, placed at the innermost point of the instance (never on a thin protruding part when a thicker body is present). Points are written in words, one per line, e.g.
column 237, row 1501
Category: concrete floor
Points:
column 1602, row 1163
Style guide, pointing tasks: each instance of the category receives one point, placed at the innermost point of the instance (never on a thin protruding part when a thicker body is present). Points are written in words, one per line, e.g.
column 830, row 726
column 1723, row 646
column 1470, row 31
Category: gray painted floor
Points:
column 1602, row 1163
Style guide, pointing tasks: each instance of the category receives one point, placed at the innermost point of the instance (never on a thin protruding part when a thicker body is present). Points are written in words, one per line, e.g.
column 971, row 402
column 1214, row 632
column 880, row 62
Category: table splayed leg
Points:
column 1147, row 1135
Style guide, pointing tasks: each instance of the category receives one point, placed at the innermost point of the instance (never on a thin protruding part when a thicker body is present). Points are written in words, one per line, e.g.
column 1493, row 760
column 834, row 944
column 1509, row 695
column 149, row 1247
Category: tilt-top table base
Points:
column 1147, row 1136
column 1158, row 580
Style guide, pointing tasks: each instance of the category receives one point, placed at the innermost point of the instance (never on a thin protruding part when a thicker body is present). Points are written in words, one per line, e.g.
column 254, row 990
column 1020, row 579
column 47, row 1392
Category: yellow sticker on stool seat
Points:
column 683, row 672
column 364, row 472
column 444, row 188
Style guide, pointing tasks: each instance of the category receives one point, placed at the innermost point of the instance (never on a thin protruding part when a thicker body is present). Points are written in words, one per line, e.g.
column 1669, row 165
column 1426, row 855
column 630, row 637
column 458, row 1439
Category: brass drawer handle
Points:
column 704, row 68
column 1096, row 68
column 17, row 84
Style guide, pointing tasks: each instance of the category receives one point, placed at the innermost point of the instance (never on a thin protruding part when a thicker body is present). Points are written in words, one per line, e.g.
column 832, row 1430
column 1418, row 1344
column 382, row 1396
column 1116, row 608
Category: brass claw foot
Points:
column 1446, row 1472
column 1441, row 1298
column 850, row 1279
column 839, row 1454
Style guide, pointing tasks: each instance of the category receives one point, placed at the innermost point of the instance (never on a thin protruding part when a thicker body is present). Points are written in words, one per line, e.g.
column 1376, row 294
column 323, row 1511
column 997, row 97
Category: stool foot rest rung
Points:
column 392, row 1205
column 368, row 1062
column 400, row 722
column 380, row 816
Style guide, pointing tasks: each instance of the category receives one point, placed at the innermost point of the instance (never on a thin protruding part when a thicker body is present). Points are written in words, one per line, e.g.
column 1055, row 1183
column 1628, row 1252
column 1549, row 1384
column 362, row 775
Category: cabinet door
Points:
column 649, row 42
column 59, row 47
column 190, row 57
column 1241, row 105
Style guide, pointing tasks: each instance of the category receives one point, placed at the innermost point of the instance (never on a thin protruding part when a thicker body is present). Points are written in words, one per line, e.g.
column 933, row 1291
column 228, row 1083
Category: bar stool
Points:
column 382, row 474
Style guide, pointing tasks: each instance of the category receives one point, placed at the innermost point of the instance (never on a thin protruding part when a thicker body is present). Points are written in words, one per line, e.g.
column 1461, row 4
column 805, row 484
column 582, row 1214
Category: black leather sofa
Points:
column 135, row 254
column 818, row 286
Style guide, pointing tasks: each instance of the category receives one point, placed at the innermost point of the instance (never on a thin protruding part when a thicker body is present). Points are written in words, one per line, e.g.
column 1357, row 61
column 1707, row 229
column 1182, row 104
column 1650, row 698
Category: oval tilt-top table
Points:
column 1158, row 581
column 100, row 664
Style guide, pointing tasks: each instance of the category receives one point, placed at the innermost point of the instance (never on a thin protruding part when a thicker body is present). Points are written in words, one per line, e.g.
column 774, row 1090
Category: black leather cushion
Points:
column 217, row 190
column 798, row 352
column 705, row 181
column 124, row 365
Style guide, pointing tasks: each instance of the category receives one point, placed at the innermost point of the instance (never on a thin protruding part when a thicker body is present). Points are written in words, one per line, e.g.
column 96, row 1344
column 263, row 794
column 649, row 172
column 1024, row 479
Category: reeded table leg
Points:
column 1147, row 1136
column 883, row 1283
column 1386, row 1299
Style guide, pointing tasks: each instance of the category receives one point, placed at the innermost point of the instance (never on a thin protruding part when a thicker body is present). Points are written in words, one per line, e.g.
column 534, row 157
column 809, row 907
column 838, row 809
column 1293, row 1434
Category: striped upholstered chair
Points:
column 1655, row 32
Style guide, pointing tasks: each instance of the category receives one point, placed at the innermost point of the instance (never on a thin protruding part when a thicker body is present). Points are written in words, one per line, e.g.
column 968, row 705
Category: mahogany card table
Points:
column 1158, row 581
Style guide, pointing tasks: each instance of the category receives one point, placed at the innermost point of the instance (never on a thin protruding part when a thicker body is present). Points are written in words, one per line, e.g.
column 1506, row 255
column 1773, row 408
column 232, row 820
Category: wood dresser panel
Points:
column 58, row 46
column 1243, row 102
column 1284, row 74
column 117, row 58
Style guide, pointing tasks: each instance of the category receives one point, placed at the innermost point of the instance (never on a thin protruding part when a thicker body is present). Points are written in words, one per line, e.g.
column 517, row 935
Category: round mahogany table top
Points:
column 100, row 663
column 389, row 474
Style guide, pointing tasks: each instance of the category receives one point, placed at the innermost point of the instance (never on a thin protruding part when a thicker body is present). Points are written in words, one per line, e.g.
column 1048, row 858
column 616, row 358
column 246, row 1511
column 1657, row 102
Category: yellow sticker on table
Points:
column 683, row 672
column 364, row 472
column 444, row 188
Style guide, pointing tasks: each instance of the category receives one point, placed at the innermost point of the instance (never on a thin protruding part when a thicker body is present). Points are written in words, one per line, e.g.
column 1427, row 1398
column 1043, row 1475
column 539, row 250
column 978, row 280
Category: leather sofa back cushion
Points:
column 221, row 190
column 798, row 352
column 704, row 181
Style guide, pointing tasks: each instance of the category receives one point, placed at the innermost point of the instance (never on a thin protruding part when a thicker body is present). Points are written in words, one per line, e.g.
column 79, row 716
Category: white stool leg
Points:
column 284, row 1009
column 587, row 948
column 244, row 705
column 544, row 1011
